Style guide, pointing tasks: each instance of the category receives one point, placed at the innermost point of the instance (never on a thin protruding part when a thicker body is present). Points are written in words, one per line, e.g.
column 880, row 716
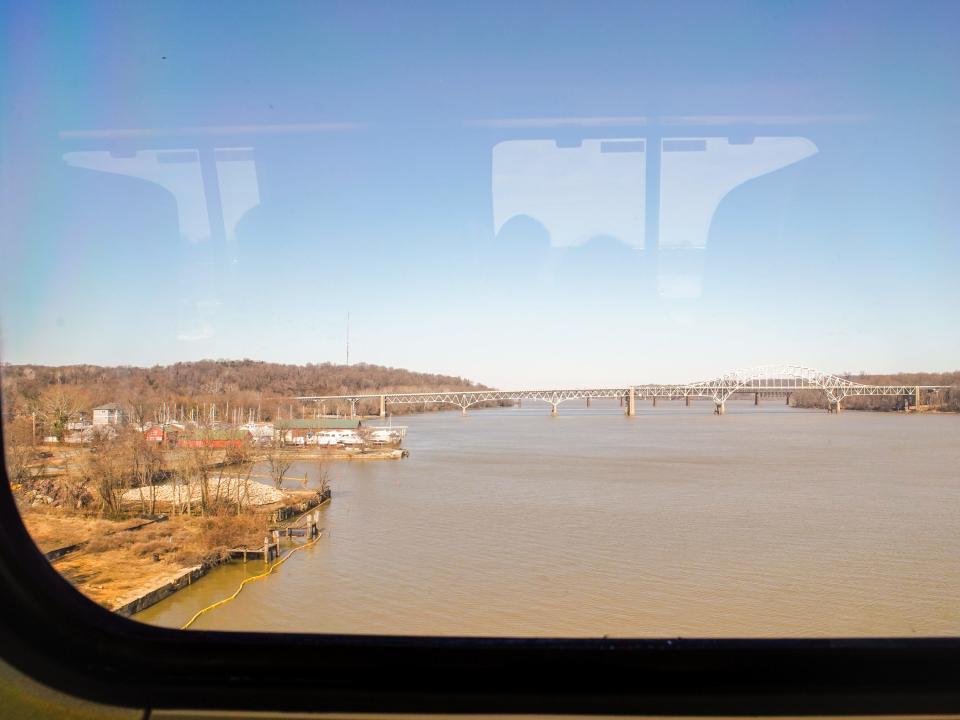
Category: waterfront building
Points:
column 309, row 431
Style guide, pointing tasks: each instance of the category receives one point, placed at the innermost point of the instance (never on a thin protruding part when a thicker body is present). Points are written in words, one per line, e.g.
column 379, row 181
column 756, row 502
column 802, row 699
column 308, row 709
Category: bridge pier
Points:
column 654, row 400
column 631, row 403
column 756, row 398
column 686, row 400
column 588, row 401
column 788, row 399
column 833, row 406
column 463, row 410
column 916, row 397
column 553, row 409
column 383, row 406
column 720, row 408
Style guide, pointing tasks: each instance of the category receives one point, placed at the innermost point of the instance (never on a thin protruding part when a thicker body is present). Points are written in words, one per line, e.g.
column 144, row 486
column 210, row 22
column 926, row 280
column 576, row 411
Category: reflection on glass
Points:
column 577, row 192
column 213, row 190
column 695, row 175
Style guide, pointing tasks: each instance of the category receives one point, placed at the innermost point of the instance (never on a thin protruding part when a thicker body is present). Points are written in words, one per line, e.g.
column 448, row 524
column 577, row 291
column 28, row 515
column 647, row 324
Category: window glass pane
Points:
column 504, row 319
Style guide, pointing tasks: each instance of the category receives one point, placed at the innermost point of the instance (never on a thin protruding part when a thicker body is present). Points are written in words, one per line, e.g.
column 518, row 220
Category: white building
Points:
column 109, row 414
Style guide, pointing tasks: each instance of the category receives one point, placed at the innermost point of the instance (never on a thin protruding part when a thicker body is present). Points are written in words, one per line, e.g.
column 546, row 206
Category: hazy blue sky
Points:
column 521, row 193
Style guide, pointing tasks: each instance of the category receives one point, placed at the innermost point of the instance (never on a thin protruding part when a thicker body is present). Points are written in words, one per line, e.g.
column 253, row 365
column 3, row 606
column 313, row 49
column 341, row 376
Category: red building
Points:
column 154, row 434
column 162, row 435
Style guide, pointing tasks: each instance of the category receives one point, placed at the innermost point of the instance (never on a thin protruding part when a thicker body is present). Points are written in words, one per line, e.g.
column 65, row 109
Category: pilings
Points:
column 631, row 402
column 307, row 525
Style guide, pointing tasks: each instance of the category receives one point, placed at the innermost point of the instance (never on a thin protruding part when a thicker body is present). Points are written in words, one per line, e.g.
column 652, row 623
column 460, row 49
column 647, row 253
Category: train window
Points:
column 532, row 321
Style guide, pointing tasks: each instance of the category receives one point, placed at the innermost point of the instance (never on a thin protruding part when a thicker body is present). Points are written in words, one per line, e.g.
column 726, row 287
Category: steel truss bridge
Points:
column 762, row 380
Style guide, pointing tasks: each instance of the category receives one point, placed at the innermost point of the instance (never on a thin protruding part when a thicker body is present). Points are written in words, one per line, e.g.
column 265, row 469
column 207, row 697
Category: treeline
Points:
column 947, row 399
column 226, row 390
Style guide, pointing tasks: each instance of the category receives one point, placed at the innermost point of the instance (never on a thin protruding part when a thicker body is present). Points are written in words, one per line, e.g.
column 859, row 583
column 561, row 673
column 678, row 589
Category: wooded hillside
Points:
column 948, row 399
column 236, row 387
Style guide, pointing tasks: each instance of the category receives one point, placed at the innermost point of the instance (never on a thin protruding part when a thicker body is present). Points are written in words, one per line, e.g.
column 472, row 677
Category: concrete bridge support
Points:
column 654, row 400
column 631, row 402
column 686, row 400
column 916, row 397
column 756, row 398
column 383, row 406
column 588, row 401
column 833, row 406
column 720, row 408
column 553, row 409
column 788, row 399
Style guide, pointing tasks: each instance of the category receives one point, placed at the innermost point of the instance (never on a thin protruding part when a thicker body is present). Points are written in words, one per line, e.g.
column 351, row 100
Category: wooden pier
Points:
column 295, row 520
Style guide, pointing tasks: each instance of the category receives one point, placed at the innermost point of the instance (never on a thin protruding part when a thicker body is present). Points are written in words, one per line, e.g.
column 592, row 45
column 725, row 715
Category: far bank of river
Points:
column 767, row 521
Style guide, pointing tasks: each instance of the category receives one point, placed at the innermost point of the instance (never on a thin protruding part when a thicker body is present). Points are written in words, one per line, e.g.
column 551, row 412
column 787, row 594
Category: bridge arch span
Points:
column 777, row 378
column 782, row 377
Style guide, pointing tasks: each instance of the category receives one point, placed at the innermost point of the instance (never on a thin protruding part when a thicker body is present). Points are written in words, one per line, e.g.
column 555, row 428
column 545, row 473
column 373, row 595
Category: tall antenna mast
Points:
column 348, row 337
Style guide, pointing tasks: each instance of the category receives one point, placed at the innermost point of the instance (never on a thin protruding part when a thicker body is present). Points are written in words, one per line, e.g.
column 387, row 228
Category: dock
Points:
column 295, row 520
column 379, row 453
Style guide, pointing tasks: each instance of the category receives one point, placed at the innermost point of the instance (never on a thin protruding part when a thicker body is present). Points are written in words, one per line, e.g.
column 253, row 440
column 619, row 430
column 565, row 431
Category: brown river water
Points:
column 769, row 521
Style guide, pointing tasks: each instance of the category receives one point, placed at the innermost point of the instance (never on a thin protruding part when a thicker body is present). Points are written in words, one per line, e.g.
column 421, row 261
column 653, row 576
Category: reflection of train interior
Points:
column 640, row 186
column 602, row 188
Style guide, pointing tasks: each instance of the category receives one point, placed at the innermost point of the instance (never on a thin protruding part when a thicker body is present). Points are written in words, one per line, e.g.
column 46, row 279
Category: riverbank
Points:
column 128, row 564
column 346, row 454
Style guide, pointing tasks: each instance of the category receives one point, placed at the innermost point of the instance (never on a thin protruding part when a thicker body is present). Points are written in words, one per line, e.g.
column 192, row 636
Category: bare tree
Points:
column 241, row 461
column 278, row 463
column 182, row 467
column 23, row 462
column 57, row 404
column 146, row 464
column 107, row 470
column 139, row 412
column 323, row 475
column 200, row 468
